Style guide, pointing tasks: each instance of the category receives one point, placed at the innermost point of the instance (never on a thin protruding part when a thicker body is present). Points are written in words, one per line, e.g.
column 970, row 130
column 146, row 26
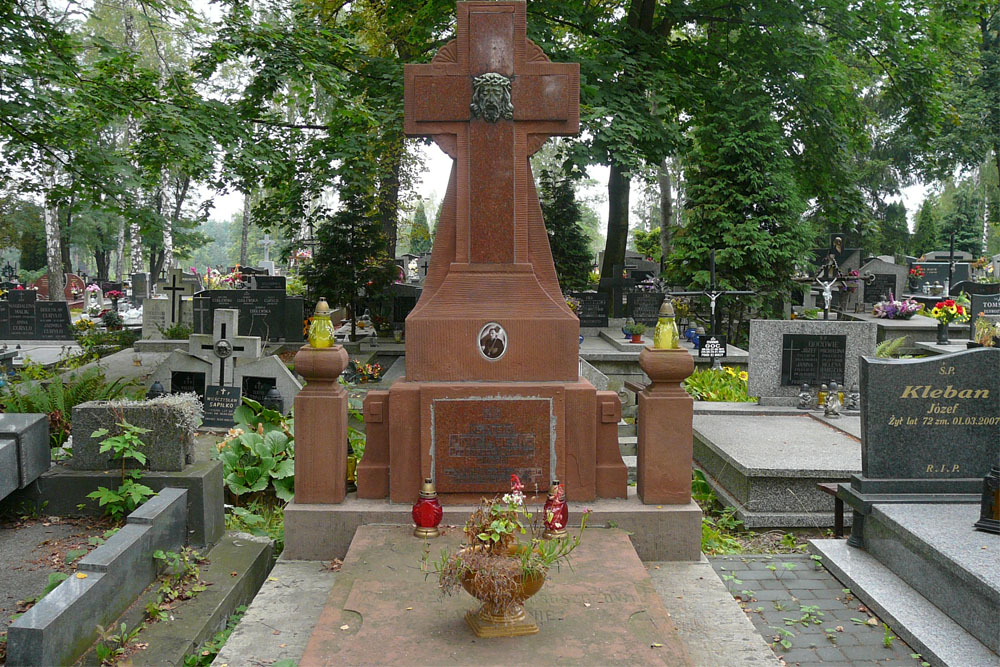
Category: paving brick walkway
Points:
column 791, row 597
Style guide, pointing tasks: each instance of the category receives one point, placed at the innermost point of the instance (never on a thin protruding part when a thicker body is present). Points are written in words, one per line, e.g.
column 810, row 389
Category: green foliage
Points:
column 176, row 331
column 206, row 653
column 258, row 454
column 261, row 519
column 125, row 446
column 727, row 385
column 420, row 233
column 635, row 328
column 102, row 343
column 742, row 199
column 648, row 243
column 57, row 398
column 717, row 533
column 927, row 228
column 563, row 215
column 890, row 347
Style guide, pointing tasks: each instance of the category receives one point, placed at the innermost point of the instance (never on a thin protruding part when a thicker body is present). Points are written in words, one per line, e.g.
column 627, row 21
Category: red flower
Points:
column 515, row 483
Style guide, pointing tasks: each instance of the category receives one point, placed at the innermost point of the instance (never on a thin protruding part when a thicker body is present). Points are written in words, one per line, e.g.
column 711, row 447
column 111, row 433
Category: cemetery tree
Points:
column 420, row 233
column 352, row 258
column 567, row 240
column 648, row 243
column 927, row 227
column 893, row 231
column 742, row 199
column 964, row 219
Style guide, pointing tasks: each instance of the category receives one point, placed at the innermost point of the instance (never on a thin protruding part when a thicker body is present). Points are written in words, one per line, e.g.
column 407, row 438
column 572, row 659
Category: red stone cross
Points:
column 491, row 171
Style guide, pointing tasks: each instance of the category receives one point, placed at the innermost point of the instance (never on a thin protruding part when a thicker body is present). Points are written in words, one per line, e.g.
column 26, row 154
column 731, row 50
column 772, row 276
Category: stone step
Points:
column 923, row 626
column 933, row 548
column 628, row 445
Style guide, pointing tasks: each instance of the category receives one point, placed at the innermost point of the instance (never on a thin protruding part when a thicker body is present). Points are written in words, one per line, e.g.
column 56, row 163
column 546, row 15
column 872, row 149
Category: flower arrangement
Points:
column 83, row 325
column 92, row 287
column 916, row 272
column 891, row 309
column 986, row 332
column 111, row 320
column 114, row 294
column 949, row 311
column 849, row 281
column 492, row 560
column 361, row 373
column 573, row 303
column 979, row 264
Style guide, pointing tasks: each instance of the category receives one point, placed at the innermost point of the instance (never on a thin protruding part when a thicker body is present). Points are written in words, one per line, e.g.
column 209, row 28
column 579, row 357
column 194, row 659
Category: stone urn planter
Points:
column 495, row 618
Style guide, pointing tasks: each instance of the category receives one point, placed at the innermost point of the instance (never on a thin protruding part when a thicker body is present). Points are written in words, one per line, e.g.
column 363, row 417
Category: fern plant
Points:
column 890, row 347
column 58, row 398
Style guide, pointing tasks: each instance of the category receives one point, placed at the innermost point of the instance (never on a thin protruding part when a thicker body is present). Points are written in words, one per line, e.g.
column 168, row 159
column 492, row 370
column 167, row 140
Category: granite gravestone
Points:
column 786, row 353
column 644, row 307
column 23, row 317
column 268, row 282
column 929, row 425
column 269, row 314
column 140, row 288
column 175, row 288
column 881, row 278
column 256, row 376
column 156, row 316
column 970, row 288
column 988, row 305
column 593, row 310
column 475, row 371
column 937, row 272
column 223, row 349
column 404, row 300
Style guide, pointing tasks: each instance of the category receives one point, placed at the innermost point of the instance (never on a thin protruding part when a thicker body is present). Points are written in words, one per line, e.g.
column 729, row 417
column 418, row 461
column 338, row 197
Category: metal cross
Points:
column 713, row 293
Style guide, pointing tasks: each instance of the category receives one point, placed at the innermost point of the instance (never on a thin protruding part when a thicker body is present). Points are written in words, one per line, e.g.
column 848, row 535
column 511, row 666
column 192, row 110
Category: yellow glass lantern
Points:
column 321, row 329
column 666, row 336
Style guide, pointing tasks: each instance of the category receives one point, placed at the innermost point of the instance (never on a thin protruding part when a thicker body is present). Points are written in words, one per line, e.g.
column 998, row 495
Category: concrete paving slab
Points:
column 44, row 352
column 605, row 610
column 711, row 624
column 22, row 577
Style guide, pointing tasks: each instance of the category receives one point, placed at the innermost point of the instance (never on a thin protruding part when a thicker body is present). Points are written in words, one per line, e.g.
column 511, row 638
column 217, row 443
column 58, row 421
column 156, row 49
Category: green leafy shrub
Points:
column 103, row 343
column 258, row 454
column 130, row 493
column 176, row 331
column 727, row 385
column 57, row 398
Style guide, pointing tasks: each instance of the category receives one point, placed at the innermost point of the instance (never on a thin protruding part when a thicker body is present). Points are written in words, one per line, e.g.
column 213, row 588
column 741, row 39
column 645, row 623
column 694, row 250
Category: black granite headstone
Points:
column 813, row 359
column 52, row 321
column 182, row 382
column 256, row 388
column 929, row 425
column 644, row 307
column 971, row 288
column 987, row 304
column 937, row 272
column 593, row 310
column 220, row 404
column 880, row 287
column 269, row 282
column 270, row 314
column 4, row 321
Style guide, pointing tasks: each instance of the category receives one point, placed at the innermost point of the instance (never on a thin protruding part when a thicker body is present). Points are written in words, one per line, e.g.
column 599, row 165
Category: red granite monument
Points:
column 492, row 383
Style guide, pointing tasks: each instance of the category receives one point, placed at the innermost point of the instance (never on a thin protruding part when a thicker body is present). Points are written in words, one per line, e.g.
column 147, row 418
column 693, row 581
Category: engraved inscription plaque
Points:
column 478, row 442
column 813, row 359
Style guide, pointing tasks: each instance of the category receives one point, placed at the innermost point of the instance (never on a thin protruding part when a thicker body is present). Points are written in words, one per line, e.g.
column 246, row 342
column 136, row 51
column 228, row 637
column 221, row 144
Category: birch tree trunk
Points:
column 245, row 230
column 120, row 252
column 53, row 245
column 666, row 209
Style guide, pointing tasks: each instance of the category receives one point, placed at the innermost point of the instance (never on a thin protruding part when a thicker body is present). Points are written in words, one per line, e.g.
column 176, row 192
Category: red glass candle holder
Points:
column 556, row 512
column 427, row 512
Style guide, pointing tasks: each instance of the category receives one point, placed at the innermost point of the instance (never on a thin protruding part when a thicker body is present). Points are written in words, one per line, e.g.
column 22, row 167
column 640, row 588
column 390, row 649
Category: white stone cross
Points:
column 224, row 344
column 175, row 287
column 267, row 242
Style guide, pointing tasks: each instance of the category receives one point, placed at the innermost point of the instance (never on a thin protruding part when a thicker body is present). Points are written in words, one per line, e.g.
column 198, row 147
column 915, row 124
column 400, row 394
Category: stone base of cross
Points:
column 224, row 347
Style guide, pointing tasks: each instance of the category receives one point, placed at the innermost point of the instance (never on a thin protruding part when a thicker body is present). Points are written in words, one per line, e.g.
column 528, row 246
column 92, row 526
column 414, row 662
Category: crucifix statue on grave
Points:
column 713, row 293
column 827, row 294
column 224, row 347
column 489, row 99
column 266, row 243
column 175, row 288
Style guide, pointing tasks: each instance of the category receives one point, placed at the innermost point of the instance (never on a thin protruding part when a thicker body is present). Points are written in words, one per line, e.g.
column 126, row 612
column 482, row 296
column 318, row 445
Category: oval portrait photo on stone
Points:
column 492, row 341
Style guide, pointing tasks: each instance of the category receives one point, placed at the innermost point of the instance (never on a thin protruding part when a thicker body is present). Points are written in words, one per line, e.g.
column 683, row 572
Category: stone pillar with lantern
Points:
column 321, row 416
column 663, row 467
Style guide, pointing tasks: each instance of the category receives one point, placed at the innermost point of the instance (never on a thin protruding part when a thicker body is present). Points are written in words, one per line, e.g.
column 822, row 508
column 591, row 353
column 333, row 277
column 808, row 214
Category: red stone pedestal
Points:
column 663, row 469
column 321, row 426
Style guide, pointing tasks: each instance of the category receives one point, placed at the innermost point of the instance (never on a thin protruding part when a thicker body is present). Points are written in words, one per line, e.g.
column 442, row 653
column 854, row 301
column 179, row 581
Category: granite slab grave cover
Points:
column 169, row 441
column 603, row 611
column 31, row 433
column 767, row 343
column 929, row 425
column 8, row 467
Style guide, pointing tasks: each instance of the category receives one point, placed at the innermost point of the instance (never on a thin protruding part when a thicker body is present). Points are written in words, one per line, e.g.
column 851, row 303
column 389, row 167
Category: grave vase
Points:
column 942, row 334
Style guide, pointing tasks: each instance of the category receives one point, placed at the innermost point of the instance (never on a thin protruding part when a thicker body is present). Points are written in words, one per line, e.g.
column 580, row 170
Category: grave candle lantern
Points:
column 427, row 511
column 321, row 329
column 666, row 336
column 556, row 512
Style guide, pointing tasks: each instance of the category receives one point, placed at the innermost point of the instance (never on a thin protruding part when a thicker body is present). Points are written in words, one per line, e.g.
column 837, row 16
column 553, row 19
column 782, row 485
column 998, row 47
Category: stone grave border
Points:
column 62, row 626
